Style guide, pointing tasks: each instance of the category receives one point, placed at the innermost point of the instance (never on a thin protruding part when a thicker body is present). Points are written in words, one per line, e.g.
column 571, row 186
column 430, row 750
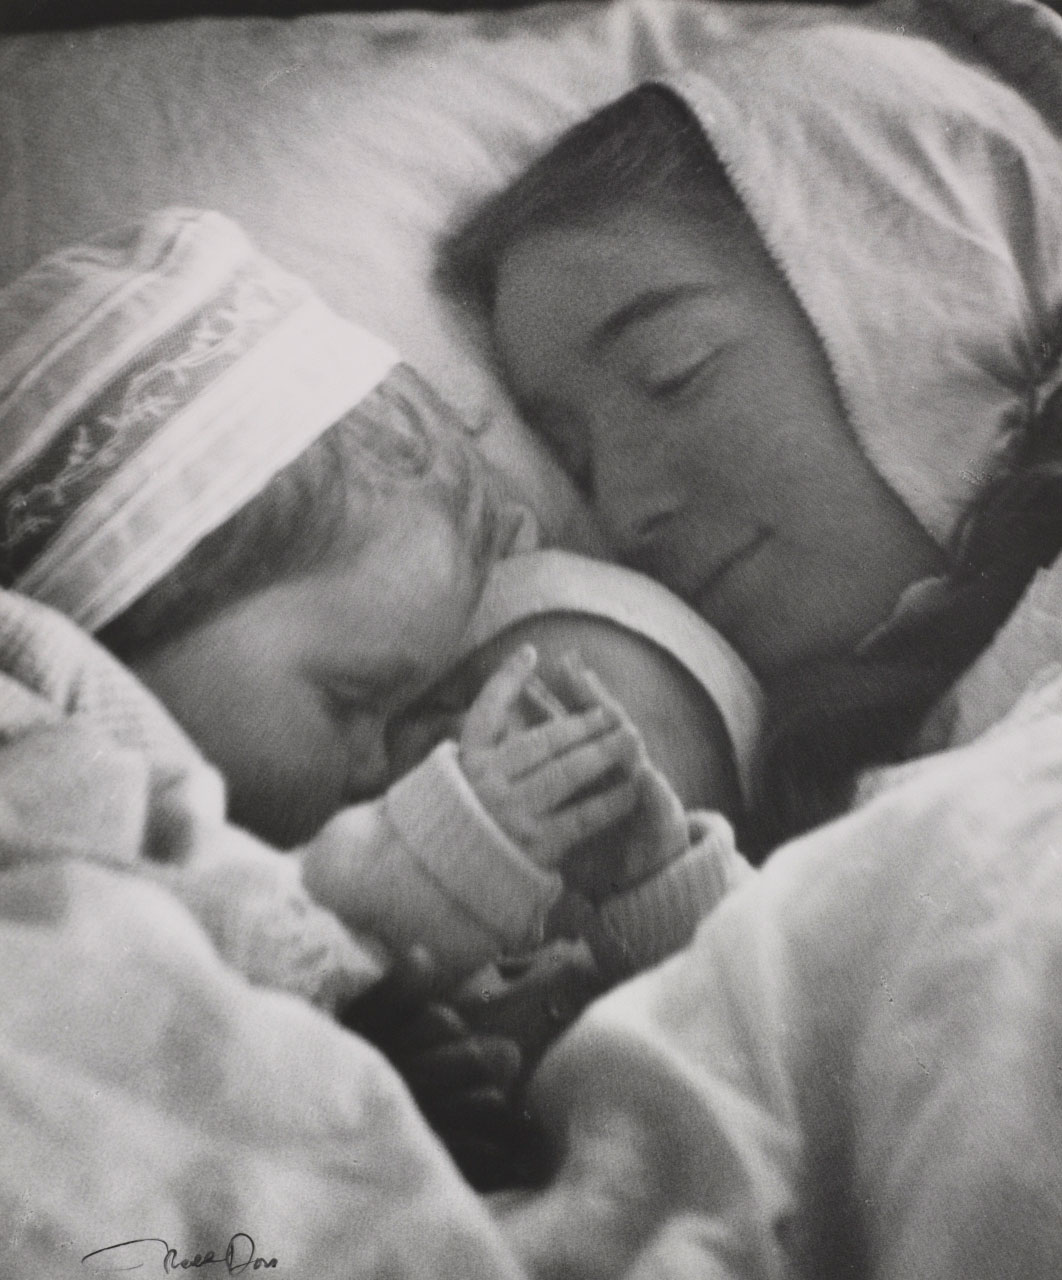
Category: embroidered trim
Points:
column 164, row 379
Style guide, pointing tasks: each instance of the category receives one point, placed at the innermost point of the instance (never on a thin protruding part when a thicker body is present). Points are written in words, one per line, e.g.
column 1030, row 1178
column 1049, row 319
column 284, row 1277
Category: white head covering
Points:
column 534, row 583
column 913, row 202
column 151, row 383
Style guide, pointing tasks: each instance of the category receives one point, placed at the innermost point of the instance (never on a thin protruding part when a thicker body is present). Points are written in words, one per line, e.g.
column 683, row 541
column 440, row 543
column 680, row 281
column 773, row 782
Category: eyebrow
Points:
column 642, row 308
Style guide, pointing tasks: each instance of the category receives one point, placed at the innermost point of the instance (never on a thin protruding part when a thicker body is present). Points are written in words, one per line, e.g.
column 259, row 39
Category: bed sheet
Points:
column 150, row 1100
column 855, row 1068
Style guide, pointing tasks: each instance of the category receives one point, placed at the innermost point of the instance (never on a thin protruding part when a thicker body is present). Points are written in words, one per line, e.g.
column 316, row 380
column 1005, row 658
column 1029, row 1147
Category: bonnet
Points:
column 911, row 200
column 152, row 382
column 534, row 583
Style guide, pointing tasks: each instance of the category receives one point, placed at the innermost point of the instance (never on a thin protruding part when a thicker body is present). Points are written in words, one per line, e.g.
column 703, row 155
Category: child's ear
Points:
column 520, row 531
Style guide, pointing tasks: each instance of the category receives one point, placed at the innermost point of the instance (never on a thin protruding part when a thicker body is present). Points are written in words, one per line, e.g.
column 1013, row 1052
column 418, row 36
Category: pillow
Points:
column 345, row 144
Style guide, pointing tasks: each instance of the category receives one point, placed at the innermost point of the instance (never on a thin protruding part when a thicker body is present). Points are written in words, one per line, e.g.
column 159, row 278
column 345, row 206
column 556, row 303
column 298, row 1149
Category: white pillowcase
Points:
column 345, row 144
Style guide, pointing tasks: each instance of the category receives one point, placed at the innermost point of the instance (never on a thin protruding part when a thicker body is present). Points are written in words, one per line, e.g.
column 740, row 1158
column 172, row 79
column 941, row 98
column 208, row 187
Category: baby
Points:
column 655, row 872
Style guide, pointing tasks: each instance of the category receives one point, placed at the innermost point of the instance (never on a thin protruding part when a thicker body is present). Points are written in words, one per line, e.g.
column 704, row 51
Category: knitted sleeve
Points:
column 427, row 864
column 642, row 926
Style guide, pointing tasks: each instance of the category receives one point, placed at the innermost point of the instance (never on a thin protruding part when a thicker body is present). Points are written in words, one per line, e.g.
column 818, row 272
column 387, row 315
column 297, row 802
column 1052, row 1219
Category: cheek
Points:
column 290, row 777
column 291, row 742
column 410, row 740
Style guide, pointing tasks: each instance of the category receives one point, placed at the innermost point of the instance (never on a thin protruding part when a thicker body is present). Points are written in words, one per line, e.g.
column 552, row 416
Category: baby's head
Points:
column 280, row 528
column 694, row 701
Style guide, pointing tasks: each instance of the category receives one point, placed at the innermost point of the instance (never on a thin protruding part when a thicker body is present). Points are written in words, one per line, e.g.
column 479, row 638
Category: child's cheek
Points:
column 415, row 737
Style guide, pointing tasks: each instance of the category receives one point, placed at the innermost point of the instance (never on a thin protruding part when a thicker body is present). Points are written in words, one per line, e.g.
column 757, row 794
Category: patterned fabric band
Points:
column 151, row 383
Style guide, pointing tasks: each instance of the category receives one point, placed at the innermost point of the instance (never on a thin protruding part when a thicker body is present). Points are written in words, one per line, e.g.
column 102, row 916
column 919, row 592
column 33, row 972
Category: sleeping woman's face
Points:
column 678, row 379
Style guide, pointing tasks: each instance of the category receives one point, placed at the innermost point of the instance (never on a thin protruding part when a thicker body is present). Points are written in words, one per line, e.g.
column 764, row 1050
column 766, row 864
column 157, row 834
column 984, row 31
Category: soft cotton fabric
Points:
column 854, row 1068
column 150, row 1091
column 926, row 252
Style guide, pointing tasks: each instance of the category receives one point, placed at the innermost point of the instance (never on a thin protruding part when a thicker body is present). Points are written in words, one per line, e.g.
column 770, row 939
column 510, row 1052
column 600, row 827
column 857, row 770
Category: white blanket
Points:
column 151, row 1099
column 855, row 1069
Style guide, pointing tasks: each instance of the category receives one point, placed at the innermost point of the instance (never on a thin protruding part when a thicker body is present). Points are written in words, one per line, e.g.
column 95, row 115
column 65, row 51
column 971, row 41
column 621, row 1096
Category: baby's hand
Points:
column 656, row 830
column 553, row 785
column 463, row 1079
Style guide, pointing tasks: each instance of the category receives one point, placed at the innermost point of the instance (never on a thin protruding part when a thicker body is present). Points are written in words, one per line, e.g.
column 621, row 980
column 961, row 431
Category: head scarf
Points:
column 542, row 582
column 151, row 383
column 911, row 199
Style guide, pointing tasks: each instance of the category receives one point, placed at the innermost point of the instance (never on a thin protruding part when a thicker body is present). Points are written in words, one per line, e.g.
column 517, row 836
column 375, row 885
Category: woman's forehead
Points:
column 576, row 299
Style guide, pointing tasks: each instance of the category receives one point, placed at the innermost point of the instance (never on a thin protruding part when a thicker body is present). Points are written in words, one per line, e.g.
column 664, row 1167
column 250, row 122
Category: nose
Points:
column 635, row 504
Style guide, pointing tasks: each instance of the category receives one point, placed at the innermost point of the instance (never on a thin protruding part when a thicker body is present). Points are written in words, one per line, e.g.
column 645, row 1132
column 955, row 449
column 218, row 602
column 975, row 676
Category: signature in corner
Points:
column 131, row 1255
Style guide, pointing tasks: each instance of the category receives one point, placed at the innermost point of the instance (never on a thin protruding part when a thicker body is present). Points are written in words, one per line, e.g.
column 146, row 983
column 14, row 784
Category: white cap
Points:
column 553, row 581
column 152, row 382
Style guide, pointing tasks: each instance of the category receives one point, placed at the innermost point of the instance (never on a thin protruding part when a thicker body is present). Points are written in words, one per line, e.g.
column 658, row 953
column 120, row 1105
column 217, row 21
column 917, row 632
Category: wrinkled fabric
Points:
column 927, row 252
column 855, row 1067
column 149, row 1095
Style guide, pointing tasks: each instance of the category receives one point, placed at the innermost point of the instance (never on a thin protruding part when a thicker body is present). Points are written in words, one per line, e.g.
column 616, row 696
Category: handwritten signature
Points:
column 130, row 1255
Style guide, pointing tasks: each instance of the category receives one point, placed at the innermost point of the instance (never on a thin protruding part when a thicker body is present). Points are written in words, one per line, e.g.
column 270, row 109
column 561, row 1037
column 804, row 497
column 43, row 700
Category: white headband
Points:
column 541, row 582
column 151, row 383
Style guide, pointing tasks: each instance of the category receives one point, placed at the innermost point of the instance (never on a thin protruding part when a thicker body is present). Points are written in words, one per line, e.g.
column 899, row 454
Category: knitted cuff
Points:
column 658, row 916
column 457, row 844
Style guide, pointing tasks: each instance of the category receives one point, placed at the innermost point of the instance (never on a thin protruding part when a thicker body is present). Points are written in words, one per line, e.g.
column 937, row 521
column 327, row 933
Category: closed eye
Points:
column 673, row 385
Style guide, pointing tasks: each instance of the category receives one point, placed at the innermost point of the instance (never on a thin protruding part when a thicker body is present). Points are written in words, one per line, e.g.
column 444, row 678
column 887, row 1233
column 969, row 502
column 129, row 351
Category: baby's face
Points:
column 683, row 731
column 290, row 691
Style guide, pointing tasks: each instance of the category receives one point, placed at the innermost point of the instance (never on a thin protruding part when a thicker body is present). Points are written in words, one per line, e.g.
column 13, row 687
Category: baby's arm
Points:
column 656, row 875
column 461, row 855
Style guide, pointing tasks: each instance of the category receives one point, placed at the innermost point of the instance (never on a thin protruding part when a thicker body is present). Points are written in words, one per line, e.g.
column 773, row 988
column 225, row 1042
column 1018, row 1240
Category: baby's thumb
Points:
column 490, row 714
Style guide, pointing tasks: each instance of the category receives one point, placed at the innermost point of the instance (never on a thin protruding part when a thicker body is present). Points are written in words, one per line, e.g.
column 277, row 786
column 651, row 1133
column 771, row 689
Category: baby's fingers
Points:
column 582, row 819
column 562, row 778
column 489, row 715
column 530, row 749
column 587, row 689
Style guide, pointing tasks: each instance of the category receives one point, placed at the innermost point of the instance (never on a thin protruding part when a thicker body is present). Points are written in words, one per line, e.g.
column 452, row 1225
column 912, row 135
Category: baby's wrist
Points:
column 640, row 868
column 627, row 873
